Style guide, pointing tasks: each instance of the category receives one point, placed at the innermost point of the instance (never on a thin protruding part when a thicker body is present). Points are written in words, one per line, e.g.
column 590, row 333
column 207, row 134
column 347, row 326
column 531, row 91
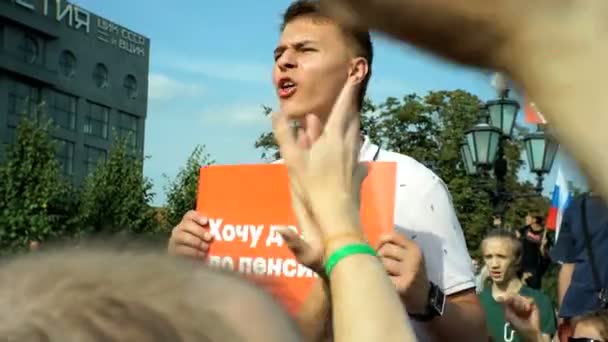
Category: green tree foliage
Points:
column 116, row 196
column 430, row 130
column 266, row 142
column 181, row 192
column 35, row 203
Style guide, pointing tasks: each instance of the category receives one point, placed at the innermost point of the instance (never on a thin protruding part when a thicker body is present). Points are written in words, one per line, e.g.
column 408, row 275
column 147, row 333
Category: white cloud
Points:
column 237, row 114
column 227, row 70
column 163, row 88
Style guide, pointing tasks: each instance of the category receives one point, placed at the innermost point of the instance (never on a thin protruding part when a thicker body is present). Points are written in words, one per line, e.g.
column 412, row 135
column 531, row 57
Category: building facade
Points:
column 87, row 74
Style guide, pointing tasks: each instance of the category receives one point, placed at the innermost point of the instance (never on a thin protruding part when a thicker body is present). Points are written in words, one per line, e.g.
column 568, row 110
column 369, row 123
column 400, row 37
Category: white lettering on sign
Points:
column 122, row 38
column 245, row 265
column 229, row 232
column 75, row 16
column 273, row 267
column 80, row 19
column 259, row 266
column 274, row 237
column 227, row 263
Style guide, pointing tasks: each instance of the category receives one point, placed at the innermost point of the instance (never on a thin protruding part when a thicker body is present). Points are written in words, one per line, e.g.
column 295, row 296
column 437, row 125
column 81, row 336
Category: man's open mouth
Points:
column 286, row 87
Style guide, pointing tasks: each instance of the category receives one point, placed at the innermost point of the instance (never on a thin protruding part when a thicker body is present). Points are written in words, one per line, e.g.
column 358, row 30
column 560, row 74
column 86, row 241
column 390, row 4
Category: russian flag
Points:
column 561, row 199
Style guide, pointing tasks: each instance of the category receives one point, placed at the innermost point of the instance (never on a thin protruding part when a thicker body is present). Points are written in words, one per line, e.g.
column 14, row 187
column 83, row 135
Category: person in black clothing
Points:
column 536, row 244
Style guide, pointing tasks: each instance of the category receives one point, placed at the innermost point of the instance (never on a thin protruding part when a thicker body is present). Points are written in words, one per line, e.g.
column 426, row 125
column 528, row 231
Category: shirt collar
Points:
column 367, row 153
column 368, row 150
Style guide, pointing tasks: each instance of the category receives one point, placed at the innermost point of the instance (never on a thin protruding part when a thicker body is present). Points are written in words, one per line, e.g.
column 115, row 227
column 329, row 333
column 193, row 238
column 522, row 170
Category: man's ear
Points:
column 359, row 69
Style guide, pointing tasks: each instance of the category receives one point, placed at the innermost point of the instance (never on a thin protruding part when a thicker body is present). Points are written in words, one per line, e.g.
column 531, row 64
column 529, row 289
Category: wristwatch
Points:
column 434, row 306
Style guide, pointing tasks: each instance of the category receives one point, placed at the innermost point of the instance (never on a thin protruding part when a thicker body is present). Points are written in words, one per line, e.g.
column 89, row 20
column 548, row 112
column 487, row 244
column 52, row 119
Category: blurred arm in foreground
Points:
column 554, row 49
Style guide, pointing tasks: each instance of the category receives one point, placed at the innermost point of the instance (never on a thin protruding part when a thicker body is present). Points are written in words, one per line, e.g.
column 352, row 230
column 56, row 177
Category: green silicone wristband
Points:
column 343, row 252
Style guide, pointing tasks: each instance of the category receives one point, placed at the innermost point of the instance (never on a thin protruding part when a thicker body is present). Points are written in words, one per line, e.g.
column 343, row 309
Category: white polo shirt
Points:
column 424, row 213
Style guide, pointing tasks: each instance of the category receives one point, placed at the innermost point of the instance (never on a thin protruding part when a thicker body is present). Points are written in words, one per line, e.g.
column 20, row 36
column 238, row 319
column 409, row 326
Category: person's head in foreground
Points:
column 106, row 295
column 502, row 255
column 592, row 327
column 313, row 59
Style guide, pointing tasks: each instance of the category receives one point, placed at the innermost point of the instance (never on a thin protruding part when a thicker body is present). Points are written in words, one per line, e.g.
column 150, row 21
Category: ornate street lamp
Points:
column 541, row 150
column 465, row 153
column 503, row 113
column 483, row 141
column 485, row 145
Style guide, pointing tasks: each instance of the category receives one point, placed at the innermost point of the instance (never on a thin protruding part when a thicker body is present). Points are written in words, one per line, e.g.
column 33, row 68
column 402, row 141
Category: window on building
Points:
column 63, row 110
column 100, row 75
column 67, row 63
column 130, row 84
column 23, row 99
column 30, row 49
column 96, row 121
column 93, row 157
column 11, row 135
column 126, row 128
column 65, row 156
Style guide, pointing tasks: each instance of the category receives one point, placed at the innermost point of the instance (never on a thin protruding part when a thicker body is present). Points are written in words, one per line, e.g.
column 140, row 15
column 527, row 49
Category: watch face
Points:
column 437, row 300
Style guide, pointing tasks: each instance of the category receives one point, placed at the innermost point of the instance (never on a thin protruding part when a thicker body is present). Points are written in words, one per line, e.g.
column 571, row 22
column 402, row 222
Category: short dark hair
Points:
column 361, row 38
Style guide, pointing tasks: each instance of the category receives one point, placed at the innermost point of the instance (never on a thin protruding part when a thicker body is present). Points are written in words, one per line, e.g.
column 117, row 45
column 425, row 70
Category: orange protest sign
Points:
column 247, row 203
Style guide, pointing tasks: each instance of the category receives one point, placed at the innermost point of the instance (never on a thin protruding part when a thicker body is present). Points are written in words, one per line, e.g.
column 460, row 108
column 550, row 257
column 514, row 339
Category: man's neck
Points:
column 508, row 287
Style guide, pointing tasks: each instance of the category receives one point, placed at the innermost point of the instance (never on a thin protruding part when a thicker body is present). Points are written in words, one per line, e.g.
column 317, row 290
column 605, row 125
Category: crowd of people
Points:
column 417, row 284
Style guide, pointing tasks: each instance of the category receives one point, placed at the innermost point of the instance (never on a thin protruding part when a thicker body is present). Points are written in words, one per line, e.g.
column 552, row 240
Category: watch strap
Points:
column 434, row 306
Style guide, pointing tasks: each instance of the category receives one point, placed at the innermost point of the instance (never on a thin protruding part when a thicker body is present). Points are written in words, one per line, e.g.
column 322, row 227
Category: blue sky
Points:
column 210, row 67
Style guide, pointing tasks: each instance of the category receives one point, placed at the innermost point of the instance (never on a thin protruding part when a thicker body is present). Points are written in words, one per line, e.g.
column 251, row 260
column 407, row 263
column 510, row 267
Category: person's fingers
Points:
column 300, row 248
column 397, row 239
column 343, row 111
column 184, row 238
column 301, row 210
column 360, row 173
column 194, row 228
column 189, row 252
column 391, row 251
column 518, row 305
column 314, row 127
column 352, row 138
column 392, row 267
column 195, row 216
column 283, row 130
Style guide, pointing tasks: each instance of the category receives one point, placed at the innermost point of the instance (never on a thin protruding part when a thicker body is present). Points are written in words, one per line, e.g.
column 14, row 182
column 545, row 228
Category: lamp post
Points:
column 483, row 150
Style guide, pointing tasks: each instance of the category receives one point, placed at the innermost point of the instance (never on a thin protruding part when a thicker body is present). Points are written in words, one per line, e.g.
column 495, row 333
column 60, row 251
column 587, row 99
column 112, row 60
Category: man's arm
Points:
column 563, row 281
column 448, row 264
column 565, row 250
column 463, row 319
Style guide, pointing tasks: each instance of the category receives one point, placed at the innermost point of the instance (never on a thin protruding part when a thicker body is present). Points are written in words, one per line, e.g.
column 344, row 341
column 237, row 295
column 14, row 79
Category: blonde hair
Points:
column 106, row 295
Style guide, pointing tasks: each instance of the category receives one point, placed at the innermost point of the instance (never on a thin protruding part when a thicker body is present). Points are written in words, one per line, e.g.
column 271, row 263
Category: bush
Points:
column 116, row 196
column 35, row 203
column 181, row 192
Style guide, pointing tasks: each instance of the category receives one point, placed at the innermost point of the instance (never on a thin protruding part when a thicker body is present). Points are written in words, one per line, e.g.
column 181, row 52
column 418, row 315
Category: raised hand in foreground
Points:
column 524, row 317
column 325, row 178
column 555, row 49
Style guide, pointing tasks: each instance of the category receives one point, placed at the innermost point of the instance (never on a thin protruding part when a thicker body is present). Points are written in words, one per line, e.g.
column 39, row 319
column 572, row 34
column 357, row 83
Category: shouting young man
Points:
column 502, row 253
column 426, row 256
